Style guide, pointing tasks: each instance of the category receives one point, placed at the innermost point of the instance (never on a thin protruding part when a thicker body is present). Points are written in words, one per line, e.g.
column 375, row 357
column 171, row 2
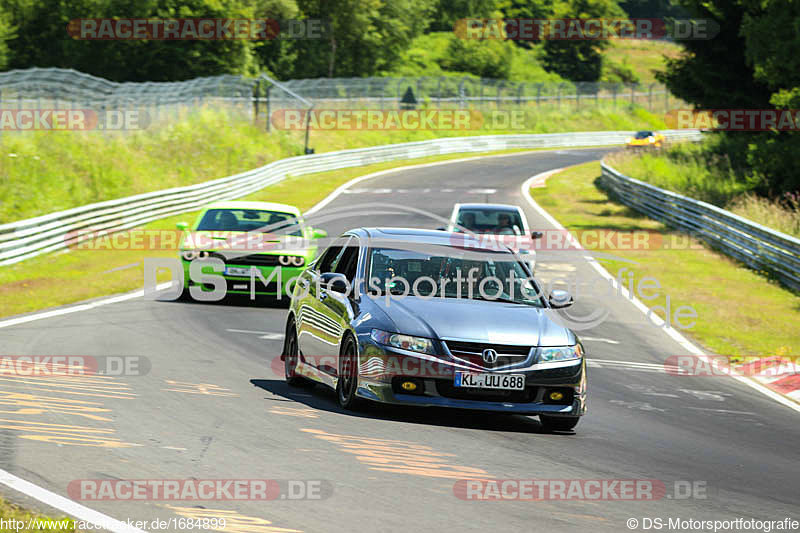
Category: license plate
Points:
column 477, row 380
column 237, row 271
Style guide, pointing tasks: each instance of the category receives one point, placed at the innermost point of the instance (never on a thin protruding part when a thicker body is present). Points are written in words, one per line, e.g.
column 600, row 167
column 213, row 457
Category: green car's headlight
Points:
column 291, row 260
column 191, row 255
column 560, row 353
column 404, row 342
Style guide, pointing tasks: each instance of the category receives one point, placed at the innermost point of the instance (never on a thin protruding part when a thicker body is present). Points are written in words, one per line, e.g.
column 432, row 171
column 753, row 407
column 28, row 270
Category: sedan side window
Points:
column 349, row 261
column 331, row 256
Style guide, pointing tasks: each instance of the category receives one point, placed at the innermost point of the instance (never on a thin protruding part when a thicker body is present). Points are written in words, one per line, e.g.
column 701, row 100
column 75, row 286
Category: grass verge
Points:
column 732, row 302
column 10, row 511
column 75, row 275
column 46, row 171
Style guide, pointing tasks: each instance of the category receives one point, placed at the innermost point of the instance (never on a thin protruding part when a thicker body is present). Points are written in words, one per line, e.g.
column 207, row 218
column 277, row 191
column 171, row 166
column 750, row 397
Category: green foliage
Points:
column 445, row 54
column 447, row 12
column 42, row 41
column 579, row 60
column 487, row 59
column 366, row 37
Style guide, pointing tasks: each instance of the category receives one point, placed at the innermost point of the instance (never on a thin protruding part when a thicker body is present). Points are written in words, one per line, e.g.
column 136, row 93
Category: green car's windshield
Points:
column 451, row 276
column 250, row 220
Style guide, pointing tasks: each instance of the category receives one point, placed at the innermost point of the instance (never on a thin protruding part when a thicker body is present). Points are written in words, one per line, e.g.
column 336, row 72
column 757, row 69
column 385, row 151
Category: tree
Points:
column 715, row 73
column 365, row 37
column 579, row 60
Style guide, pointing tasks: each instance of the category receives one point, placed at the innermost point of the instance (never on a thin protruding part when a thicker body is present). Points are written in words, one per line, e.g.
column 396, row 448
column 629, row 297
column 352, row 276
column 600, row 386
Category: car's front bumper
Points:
column 275, row 285
column 381, row 370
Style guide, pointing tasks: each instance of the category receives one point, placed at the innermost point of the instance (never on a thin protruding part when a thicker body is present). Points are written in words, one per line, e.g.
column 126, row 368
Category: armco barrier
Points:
column 755, row 245
column 28, row 238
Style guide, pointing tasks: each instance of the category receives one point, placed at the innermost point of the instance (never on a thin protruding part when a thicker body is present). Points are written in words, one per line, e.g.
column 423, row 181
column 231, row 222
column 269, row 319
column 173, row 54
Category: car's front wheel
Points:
column 558, row 423
column 291, row 356
column 348, row 375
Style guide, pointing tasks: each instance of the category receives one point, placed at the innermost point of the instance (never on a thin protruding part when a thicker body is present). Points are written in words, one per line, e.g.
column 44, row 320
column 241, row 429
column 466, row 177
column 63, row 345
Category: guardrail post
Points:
column 255, row 100
column 538, row 93
column 269, row 103
column 632, row 89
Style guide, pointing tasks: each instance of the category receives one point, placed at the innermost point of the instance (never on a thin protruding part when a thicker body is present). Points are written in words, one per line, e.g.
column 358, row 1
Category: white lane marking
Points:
column 66, row 505
column 726, row 411
column 482, row 191
column 123, row 267
column 174, row 448
column 345, row 186
column 656, row 320
column 263, row 334
column 599, row 339
column 81, row 307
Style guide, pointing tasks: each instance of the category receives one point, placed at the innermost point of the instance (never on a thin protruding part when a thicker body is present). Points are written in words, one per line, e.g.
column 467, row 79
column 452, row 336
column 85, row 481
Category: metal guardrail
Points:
column 755, row 245
column 55, row 231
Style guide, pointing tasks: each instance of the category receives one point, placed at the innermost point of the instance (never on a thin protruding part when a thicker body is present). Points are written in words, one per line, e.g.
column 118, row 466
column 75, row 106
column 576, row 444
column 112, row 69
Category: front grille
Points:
column 248, row 260
column 244, row 285
column 448, row 390
column 507, row 354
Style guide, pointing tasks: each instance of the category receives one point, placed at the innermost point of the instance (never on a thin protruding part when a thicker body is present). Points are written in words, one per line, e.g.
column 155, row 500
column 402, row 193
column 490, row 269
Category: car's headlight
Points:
column 651, row 139
column 404, row 342
column 561, row 353
column 191, row 255
column 293, row 260
column 629, row 140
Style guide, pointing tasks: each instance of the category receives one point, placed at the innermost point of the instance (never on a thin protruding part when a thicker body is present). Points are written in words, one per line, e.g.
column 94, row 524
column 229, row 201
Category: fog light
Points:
column 409, row 386
column 556, row 396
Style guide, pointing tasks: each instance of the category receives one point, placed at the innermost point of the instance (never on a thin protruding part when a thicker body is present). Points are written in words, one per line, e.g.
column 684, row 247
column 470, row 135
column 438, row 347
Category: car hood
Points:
column 475, row 320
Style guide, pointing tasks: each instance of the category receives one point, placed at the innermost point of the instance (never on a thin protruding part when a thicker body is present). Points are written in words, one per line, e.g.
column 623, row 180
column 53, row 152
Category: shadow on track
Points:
column 322, row 398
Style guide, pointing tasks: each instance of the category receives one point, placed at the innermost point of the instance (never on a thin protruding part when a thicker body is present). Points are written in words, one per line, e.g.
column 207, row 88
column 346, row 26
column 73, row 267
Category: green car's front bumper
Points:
column 276, row 283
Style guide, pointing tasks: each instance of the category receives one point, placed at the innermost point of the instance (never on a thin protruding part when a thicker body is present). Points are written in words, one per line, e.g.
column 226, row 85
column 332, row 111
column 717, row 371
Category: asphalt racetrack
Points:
column 212, row 407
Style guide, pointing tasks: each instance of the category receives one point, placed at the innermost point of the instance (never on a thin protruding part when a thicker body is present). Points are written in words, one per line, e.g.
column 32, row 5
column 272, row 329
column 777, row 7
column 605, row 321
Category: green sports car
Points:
column 261, row 246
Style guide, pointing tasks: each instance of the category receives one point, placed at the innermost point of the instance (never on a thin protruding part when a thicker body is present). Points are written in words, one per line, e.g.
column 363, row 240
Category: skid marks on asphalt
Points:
column 302, row 412
column 207, row 389
column 400, row 457
column 713, row 402
column 28, row 403
column 234, row 522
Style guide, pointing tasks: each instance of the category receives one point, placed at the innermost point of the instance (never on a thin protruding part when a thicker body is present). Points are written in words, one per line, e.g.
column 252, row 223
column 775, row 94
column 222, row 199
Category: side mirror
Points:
column 441, row 228
column 537, row 235
column 318, row 233
column 183, row 226
column 334, row 281
column 560, row 299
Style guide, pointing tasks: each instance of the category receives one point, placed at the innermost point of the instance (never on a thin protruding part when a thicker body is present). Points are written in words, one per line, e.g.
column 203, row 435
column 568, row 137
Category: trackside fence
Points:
column 755, row 245
column 55, row 231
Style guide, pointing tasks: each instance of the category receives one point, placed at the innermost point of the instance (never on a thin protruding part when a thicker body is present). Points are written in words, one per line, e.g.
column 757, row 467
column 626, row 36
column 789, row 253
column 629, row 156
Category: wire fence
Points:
column 258, row 98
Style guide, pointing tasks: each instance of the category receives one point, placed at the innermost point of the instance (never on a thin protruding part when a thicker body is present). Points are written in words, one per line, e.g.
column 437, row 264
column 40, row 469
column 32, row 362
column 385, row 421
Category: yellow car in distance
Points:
column 645, row 139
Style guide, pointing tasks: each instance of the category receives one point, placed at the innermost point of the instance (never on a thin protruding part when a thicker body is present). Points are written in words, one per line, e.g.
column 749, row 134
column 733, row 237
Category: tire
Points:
column 291, row 356
column 558, row 423
column 347, row 385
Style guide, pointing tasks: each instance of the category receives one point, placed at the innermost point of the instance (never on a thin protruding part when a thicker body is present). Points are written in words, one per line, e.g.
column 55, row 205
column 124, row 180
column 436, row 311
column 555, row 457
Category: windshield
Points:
column 250, row 220
column 644, row 134
column 499, row 221
column 459, row 274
